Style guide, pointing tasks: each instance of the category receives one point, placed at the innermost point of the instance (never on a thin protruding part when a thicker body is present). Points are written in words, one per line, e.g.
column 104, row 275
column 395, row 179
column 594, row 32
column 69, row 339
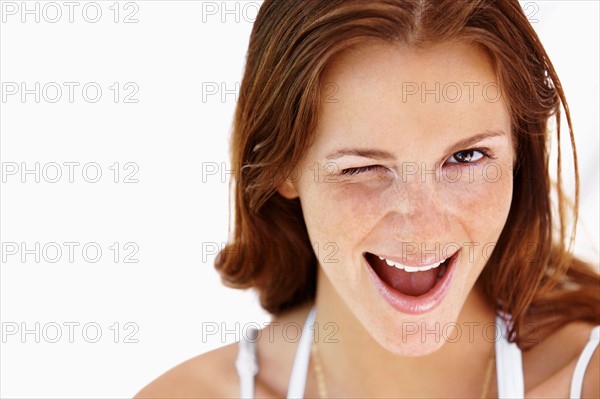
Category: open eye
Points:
column 362, row 169
column 468, row 156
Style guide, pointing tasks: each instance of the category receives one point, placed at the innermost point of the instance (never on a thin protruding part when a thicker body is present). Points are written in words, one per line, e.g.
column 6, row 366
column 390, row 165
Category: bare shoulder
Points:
column 214, row 375
column 549, row 366
column 211, row 375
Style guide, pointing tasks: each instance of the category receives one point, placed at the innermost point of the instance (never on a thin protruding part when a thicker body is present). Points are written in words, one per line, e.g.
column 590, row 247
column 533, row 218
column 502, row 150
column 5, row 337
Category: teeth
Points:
column 411, row 269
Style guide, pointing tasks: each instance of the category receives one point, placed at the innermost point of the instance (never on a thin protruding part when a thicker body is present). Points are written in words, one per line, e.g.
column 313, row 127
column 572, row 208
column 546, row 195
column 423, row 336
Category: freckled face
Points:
column 395, row 170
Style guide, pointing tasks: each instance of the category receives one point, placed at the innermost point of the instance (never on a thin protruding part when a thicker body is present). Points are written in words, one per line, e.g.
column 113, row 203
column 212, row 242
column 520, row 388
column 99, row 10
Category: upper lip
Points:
column 415, row 260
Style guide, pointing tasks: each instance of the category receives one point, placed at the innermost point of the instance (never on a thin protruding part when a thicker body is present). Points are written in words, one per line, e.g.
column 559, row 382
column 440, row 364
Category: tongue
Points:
column 415, row 283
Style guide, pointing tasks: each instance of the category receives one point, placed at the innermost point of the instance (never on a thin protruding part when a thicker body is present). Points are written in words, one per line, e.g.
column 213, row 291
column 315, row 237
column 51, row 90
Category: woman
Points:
column 393, row 198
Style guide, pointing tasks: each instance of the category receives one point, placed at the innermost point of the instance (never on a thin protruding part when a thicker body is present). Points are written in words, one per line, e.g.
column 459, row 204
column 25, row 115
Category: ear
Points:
column 287, row 190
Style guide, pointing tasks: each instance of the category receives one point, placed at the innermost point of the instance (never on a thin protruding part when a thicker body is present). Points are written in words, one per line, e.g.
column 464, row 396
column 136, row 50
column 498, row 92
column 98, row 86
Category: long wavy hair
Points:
column 531, row 274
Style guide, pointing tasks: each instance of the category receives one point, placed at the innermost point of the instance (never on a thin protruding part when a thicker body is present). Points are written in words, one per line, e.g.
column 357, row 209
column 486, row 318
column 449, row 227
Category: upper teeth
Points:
column 411, row 269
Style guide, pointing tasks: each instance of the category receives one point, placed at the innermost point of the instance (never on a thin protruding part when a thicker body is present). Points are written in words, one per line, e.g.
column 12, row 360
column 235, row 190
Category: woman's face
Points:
column 412, row 162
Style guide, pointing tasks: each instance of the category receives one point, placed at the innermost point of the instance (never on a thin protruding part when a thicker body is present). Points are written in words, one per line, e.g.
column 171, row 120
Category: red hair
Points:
column 530, row 275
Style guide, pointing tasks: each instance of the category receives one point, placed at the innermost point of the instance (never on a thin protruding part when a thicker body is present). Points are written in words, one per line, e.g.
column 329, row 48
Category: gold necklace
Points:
column 488, row 374
column 318, row 369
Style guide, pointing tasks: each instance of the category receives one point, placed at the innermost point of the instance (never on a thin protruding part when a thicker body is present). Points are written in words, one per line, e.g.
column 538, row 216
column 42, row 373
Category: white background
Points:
column 173, row 54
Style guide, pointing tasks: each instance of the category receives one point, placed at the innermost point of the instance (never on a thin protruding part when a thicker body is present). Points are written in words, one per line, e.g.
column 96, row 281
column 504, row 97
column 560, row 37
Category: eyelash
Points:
column 356, row 171
column 484, row 151
column 362, row 169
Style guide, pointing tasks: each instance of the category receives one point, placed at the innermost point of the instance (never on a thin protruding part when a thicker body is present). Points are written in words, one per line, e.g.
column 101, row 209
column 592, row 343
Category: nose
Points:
column 417, row 210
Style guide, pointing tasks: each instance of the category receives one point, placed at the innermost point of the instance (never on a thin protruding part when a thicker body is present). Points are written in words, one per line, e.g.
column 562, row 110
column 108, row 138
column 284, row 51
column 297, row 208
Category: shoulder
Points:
column 550, row 365
column 212, row 374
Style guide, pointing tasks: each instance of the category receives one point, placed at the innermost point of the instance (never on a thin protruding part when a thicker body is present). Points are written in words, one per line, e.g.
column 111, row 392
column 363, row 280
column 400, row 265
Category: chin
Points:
column 410, row 336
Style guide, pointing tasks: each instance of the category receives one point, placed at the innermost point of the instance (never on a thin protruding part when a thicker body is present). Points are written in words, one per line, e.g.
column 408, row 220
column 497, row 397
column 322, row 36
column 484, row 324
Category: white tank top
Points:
column 509, row 365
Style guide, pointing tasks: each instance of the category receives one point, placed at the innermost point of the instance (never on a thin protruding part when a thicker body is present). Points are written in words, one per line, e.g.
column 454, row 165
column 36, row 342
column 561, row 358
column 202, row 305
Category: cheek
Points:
column 481, row 206
column 340, row 215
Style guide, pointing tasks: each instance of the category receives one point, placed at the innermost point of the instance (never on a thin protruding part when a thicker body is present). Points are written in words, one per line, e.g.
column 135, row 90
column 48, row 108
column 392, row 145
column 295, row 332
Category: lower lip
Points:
column 415, row 304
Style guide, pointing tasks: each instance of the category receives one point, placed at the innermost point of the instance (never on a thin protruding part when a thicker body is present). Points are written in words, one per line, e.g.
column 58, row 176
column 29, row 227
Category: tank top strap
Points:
column 300, row 367
column 582, row 363
column 509, row 365
column 246, row 363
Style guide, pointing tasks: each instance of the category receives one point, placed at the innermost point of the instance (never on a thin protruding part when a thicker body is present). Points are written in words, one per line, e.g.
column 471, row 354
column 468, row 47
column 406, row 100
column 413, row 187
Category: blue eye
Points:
column 468, row 156
column 362, row 169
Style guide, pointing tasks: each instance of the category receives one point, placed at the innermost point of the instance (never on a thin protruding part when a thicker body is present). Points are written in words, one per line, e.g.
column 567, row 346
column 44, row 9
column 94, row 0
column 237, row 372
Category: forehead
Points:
column 450, row 60
column 386, row 91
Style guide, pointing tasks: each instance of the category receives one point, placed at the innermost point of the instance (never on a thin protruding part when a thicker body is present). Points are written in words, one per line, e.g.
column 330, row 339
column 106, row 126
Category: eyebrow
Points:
column 385, row 155
column 361, row 152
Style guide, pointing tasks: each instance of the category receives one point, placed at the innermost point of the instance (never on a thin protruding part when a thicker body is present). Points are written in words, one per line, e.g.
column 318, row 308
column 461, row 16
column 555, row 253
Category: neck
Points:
column 357, row 365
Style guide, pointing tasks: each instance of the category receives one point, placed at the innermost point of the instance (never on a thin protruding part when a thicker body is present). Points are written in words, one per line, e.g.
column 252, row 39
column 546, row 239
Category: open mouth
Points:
column 409, row 280
column 411, row 288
